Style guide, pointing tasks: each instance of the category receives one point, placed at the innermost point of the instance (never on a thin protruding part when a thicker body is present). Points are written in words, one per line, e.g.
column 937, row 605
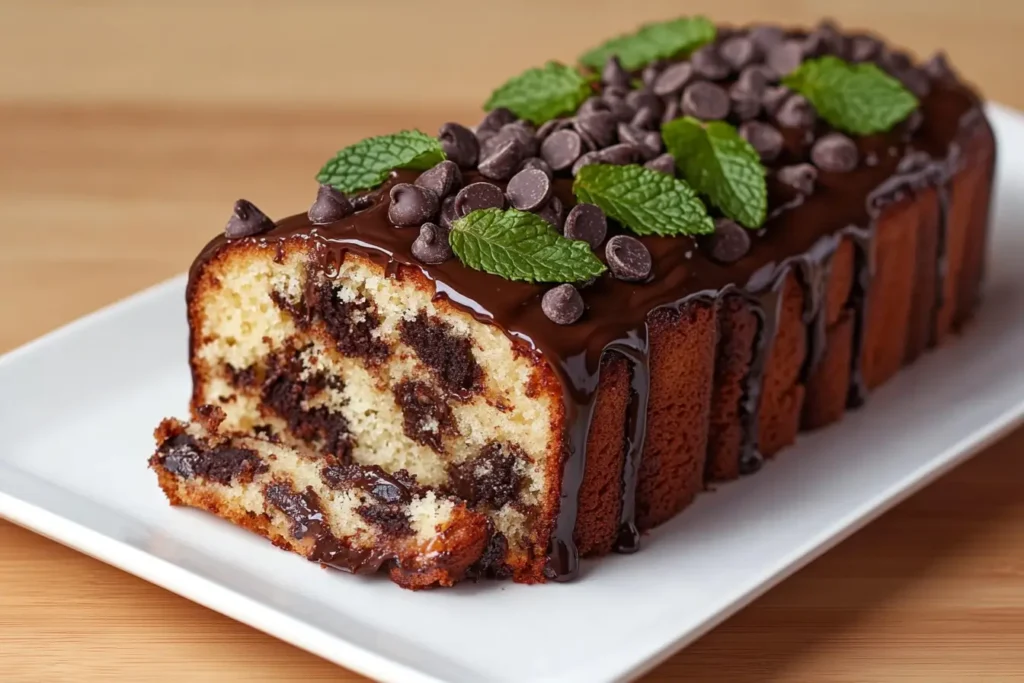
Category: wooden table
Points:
column 126, row 131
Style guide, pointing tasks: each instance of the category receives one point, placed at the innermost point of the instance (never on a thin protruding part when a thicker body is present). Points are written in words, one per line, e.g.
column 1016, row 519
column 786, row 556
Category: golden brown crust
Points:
column 887, row 311
column 738, row 329
column 781, row 392
column 682, row 358
column 600, row 496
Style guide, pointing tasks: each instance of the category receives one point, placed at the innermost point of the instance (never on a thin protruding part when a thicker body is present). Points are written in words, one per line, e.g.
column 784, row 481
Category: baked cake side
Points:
column 577, row 417
column 356, row 519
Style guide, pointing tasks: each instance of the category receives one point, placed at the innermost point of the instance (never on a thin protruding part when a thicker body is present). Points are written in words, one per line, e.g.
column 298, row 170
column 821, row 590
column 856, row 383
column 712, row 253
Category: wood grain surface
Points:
column 128, row 128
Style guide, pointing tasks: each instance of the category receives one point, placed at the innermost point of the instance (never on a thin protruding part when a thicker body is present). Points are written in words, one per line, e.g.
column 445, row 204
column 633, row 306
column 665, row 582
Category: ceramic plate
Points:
column 77, row 410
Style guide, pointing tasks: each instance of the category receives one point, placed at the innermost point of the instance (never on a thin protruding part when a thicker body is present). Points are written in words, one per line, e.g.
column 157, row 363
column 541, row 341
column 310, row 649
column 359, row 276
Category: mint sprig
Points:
column 645, row 201
column 718, row 163
column 653, row 41
column 367, row 163
column 517, row 245
column 856, row 98
column 539, row 95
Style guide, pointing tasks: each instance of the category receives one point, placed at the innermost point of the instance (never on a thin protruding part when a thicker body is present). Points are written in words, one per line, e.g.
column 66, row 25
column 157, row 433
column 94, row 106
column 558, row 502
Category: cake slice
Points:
column 353, row 518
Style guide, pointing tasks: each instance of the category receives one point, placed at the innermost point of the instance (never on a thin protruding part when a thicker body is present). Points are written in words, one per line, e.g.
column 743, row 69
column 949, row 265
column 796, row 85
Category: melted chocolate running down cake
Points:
column 572, row 407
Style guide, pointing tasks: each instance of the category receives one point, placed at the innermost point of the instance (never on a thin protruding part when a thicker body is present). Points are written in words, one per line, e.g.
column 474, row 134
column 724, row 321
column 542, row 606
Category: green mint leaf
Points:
column 517, row 245
column 539, row 95
column 653, row 41
column 645, row 201
column 720, row 164
column 856, row 98
column 367, row 163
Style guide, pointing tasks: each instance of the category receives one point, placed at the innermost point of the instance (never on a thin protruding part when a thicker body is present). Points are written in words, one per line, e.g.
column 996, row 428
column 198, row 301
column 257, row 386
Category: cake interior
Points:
column 359, row 366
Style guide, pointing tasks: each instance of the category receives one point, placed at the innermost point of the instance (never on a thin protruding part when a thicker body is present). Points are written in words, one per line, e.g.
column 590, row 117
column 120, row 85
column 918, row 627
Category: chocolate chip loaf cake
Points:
column 345, row 516
column 633, row 277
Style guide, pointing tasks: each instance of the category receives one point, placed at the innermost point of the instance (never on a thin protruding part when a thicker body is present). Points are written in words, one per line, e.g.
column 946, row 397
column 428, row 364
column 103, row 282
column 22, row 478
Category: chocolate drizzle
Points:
column 801, row 233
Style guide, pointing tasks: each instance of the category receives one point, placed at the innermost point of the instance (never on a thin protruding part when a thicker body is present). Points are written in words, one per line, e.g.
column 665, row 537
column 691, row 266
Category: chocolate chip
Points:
column 763, row 137
column 814, row 44
column 705, row 101
column 562, row 304
column 598, row 125
column 893, row 61
column 646, row 117
column 671, row 112
column 550, row 126
column 613, row 73
column 628, row 258
column 537, row 163
column 785, row 57
column 246, row 220
column 552, row 212
column 444, row 178
column 588, row 223
column 707, row 63
column 448, row 212
column 646, row 142
column 916, row 81
column 650, row 73
column 619, row 155
column 664, row 163
column 864, row 48
column 800, row 177
column 672, row 79
column 520, row 131
column 524, row 132
column 738, row 51
column 796, row 112
column 592, row 105
column 585, row 160
column 561, row 149
column 477, row 196
column 503, row 161
column 615, row 92
column 938, row 67
column 495, row 119
column 745, row 104
column 459, row 144
column 835, row 153
column 528, row 189
column 362, row 201
column 729, row 243
column 330, row 205
column 640, row 99
column 773, row 98
column 620, row 110
column 755, row 78
column 431, row 246
column 766, row 37
column 412, row 205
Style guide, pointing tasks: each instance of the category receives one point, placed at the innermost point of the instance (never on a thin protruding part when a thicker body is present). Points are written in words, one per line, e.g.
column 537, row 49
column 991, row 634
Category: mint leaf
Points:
column 517, row 245
column 856, row 98
column 653, row 41
column 645, row 201
column 539, row 95
column 367, row 163
column 716, row 161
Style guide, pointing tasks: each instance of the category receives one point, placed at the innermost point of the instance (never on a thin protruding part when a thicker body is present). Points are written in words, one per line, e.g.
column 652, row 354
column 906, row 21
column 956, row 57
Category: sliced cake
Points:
column 632, row 278
column 357, row 519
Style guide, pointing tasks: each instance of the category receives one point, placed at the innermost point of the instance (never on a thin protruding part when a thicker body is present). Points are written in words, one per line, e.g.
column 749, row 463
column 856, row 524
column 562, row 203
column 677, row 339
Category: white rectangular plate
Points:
column 77, row 410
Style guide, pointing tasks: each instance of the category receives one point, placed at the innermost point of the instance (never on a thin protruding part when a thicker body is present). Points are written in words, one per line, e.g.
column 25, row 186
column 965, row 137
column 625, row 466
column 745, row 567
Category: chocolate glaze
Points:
column 801, row 233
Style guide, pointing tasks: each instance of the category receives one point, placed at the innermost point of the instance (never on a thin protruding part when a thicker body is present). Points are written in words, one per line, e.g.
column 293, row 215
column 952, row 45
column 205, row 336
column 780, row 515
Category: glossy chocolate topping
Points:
column 802, row 233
